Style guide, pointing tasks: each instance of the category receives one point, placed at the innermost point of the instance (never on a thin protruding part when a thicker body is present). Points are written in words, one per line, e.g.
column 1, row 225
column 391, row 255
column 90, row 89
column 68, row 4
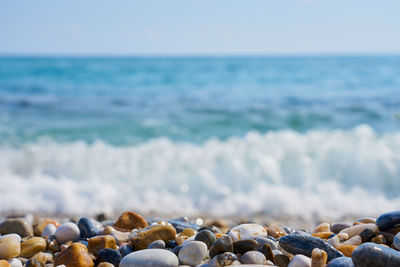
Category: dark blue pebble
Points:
column 86, row 227
column 125, row 249
column 109, row 255
column 86, row 243
column 388, row 221
column 341, row 262
column 171, row 244
column 211, row 228
column 180, row 225
column 176, row 249
column 304, row 244
column 374, row 255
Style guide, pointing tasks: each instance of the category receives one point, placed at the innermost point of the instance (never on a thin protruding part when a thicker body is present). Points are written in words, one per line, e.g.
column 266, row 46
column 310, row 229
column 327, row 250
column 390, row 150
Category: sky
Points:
column 206, row 27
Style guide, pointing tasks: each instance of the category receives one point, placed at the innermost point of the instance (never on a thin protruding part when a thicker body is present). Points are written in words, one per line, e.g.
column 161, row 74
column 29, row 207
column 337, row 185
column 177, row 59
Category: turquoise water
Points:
column 131, row 100
column 304, row 136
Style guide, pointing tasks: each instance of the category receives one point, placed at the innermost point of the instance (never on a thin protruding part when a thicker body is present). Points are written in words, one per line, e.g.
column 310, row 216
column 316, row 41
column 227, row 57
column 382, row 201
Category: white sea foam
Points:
column 325, row 173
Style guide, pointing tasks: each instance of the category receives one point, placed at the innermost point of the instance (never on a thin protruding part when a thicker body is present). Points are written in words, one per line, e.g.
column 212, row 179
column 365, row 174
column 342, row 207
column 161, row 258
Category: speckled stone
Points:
column 86, row 228
column 374, row 255
column 300, row 261
column 130, row 220
column 225, row 259
column 318, row 258
column 206, row 236
column 109, row 255
column 17, row 226
column 75, row 255
column 341, row 262
column 247, row 231
column 253, row 257
column 242, row 246
column 223, row 244
column 150, row 258
column 388, row 221
column 142, row 238
column 304, row 244
column 9, row 246
column 157, row 244
column 67, row 232
column 192, row 253
column 100, row 242
column 32, row 246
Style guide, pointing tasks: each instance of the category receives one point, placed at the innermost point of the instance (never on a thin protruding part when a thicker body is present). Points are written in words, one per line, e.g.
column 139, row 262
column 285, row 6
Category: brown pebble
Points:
column 105, row 264
column 323, row 227
column 130, row 220
column 267, row 251
column 276, row 231
column 318, row 258
column 379, row 239
column 38, row 228
column 97, row 243
column 142, row 238
column 323, row 235
column 4, row 263
column 32, row 246
column 347, row 250
column 75, row 255
column 282, row 260
column 43, row 258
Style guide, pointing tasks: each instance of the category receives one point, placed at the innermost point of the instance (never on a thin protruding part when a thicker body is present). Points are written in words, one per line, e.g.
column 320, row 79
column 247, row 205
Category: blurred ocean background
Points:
column 302, row 135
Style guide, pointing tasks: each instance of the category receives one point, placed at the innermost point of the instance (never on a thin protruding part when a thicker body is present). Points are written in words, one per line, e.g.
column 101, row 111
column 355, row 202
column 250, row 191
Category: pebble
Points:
column 388, row 221
column 267, row 251
column 355, row 241
column 67, row 232
column 180, row 225
column 157, row 244
column 120, row 237
column 4, row 263
column 300, row 261
column 142, row 238
column 206, row 236
column 379, row 239
column 49, row 230
column 247, row 231
column 130, row 220
column 150, row 258
column 86, row 228
column 263, row 240
column 125, row 249
column 15, row 262
column 192, row 253
column 374, row 255
column 223, row 244
column 253, row 257
column 225, row 259
column 75, row 255
column 347, row 250
column 9, row 246
column 242, row 246
column 281, row 260
column 337, row 227
column 318, row 258
column 341, row 262
column 366, row 235
column 322, row 228
column 109, row 255
column 304, row 244
column 18, row 226
column 105, row 264
column 357, row 229
column 32, row 246
column 100, row 242
column 396, row 241
column 43, row 258
column 367, row 220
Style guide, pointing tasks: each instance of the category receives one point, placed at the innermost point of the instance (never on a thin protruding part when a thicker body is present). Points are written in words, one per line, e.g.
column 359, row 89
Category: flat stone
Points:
column 374, row 255
column 355, row 241
column 192, row 253
column 141, row 239
column 396, row 241
column 75, row 255
column 100, row 242
column 86, row 228
column 18, row 226
column 150, row 258
column 242, row 246
column 388, row 221
column 206, row 236
column 300, row 261
column 341, row 262
column 247, row 231
column 32, row 246
column 357, row 229
column 109, row 255
column 223, row 244
column 10, row 246
column 304, row 244
column 337, row 227
column 67, row 232
column 130, row 220
column 253, row 257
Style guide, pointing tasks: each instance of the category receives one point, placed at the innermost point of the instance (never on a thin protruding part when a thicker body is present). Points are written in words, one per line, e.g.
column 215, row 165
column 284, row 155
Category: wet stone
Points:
column 32, row 246
column 206, row 236
column 150, row 258
column 374, row 255
column 337, row 227
column 253, row 257
column 242, row 246
column 67, row 232
column 388, row 221
column 75, row 255
column 304, row 244
column 223, row 244
column 100, row 242
column 125, row 249
column 157, row 244
column 130, row 220
column 300, row 261
column 341, row 262
column 109, row 255
column 367, row 235
column 86, row 228
column 192, row 253
column 9, row 246
column 281, row 260
column 17, row 226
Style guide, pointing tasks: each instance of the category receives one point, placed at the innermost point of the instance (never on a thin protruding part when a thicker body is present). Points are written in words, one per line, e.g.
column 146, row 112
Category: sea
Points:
column 308, row 136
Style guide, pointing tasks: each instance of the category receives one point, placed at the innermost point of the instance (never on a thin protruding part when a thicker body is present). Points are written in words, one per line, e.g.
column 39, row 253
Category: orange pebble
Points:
column 323, row 235
column 347, row 250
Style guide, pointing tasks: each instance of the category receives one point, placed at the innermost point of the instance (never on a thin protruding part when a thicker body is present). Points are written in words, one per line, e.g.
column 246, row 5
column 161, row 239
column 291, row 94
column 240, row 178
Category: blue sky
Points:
column 189, row 27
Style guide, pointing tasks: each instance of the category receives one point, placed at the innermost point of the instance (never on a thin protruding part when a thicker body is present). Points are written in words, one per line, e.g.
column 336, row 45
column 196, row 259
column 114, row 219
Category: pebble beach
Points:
column 132, row 240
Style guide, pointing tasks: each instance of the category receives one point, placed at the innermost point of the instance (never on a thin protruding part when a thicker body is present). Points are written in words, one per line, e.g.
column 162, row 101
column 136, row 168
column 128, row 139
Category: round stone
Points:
column 109, row 255
column 242, row 246
column 300, row 261
column 157, row 244
column 150, row 258
column 100, row 242
column 223, row 244
column 341, row 262
column 130, row 220
column 86, row 228
column 388, row 221
column 49, row 230
column 247, row 231
column 32, row 246
column 67, row 232
column 75, row 255
column 141, row 239
column 253, row 257
column 206, row 236
column 396, row 241
column 15, row 262
column 337, row 227
column 374, row 255
column 10, row 246
column 192, row 253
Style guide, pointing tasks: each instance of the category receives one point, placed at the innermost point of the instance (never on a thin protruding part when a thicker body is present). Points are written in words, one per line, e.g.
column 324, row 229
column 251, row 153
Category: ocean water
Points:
column 304, row 136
